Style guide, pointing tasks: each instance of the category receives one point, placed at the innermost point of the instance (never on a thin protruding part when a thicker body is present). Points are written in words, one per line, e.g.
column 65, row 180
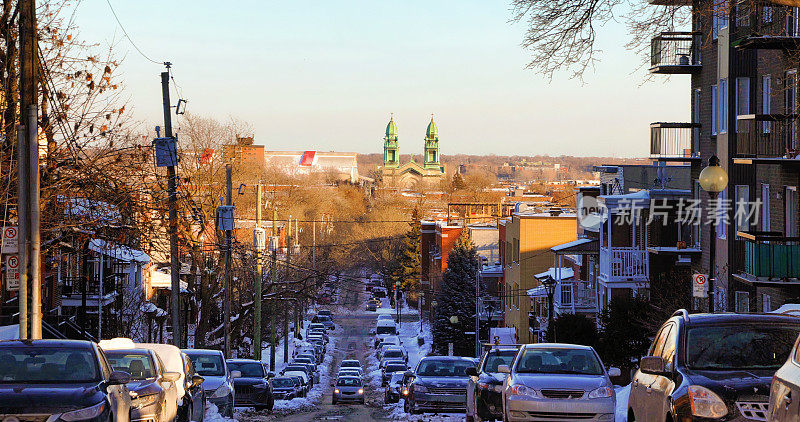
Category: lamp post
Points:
column 713, row 179
column 550, row 285
column 453, row 321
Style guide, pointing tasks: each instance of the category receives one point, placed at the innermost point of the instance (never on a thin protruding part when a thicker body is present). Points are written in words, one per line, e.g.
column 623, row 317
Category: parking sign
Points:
column 699, row 285
column 10, row 239
column 12, row 272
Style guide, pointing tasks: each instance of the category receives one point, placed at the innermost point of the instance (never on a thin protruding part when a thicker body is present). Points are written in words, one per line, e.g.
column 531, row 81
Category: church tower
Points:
column 432, row 147
column 391, row 156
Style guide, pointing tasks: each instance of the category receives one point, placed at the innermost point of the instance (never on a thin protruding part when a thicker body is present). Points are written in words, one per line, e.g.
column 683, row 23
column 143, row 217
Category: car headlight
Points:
column 221, row 391
column 360, row 391
column 144, row 401
column 601, row 393
column 706, row 403
column 335, row 391
column 83, row 414
column 419, row 388
column 405, row 391
column 524, row 390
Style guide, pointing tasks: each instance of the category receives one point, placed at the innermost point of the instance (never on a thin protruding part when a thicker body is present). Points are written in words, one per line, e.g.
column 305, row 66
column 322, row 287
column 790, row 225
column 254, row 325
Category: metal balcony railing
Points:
column 762, row 24
column 767, row 136
column 674, row 140
column 624, row 263
column 770, row 255
column 675, row 52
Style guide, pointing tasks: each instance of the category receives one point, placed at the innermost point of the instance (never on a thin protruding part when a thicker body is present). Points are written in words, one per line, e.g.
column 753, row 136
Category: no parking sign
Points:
column 699, row 285
column 12, row 272
column 10, row 240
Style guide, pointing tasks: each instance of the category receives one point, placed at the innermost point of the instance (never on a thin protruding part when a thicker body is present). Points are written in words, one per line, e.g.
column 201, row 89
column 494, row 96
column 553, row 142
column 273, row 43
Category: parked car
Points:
column 218, row 384
column 299, row 383
column 439, row 383
column 321, row 332
column 191, row 397
column 154, row 394
column 325, row 312
column 394, row 388
column 784, row 388
column 384, row 328
column 387, row 317
column 311, row 354
column 325, row 320
column 485, row 385
column 253, row 388
column 390, row 369
column 67, row 380
column 560, row 380
column 385, row 362
column 314, row 326
column 350, row 372
column 371, row 307
column 302, row 376
column 309, row 363
column 302, row 367
column 394, row 352
column 711, row 366
column 348, row 389
column 286, row 388
column 350, row 363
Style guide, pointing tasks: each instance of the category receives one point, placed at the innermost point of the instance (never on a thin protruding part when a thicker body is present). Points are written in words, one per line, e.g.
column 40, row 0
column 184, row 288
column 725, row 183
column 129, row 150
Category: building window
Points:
column 719, row 18
column 765, row 226
column 742, row 98
column 516, row 250
column 766, row 303
column 791, row 210
column 723, row 106
column 742, row 302
column 741, row 208
column 766, row 100
column 722, row 223
column 566, row 293
column 714, row 114
column 790, row 106
column 766, row 14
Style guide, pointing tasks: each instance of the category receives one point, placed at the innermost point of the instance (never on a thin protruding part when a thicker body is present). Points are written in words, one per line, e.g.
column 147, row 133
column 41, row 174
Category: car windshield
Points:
column 348, row 382
column 303, row 360
column 139, row 364
column 248, row 369
column 282, row 382
column 395, row 367
column 393, row 354
column 48, row 365
column 498, row 357
column 386, row 329
column 552, row 360
column 443, row 368
column 397, row 377
column 739, row 346
column 351, row 364
column 207, row 364
column 323, row 318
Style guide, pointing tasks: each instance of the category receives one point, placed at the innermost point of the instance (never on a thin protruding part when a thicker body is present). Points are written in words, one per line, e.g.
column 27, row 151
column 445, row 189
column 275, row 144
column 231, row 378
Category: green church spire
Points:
column 432, row 146
column 391, row 156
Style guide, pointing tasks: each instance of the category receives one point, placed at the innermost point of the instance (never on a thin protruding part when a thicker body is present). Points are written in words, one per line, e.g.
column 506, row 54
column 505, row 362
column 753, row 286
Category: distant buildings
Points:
column 342, row 166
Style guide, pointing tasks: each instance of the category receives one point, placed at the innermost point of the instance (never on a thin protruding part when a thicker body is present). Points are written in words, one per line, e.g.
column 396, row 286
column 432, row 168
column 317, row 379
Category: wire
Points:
column 128, row 36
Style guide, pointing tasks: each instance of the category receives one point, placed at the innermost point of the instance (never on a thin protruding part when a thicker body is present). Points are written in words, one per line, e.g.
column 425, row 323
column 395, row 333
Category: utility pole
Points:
column 298, row 302
column 286, row 277
column 175, row 265
column 273, row 338
column 258, row 290
column 30, row 306
column 227, row 293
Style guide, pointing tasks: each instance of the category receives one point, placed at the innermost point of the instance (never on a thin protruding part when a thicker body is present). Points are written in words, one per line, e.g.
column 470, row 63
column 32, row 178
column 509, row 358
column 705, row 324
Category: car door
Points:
column 118, row 395
column 662, row 386
column 641, row 389
column 785, row 390
column 196, row 391
column 171, row 390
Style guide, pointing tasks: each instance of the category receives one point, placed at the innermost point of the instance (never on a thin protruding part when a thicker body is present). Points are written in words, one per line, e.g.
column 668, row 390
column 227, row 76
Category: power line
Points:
column 128, row 36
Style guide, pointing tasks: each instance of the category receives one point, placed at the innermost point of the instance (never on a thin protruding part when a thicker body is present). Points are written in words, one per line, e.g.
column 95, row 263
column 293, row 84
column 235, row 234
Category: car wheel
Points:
column 229, row 410
column 631, row 417
column 270, row 403
column 333, row 401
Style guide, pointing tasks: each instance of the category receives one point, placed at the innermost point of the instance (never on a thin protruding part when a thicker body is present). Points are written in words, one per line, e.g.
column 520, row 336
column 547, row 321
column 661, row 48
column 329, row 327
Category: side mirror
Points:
column 614, row 372
column 119, row 378
column 653, row 365
column 409, row 374
column 171, row 376
column 471, row 371
column 270, row 374
column 236, row 374
column 504, row 369
column 197, row 380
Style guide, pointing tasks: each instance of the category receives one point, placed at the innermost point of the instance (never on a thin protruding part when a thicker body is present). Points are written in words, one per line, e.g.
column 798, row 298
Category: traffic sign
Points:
column 12, row 272
column 699, row 285
column 10, row 240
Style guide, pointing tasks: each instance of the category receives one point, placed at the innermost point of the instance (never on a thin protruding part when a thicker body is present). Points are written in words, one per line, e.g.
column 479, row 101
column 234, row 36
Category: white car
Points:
column 346, row 372
column 300, row 374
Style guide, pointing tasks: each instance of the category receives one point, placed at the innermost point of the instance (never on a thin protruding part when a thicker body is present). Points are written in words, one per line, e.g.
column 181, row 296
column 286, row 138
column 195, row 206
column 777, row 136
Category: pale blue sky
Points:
column 323, row 74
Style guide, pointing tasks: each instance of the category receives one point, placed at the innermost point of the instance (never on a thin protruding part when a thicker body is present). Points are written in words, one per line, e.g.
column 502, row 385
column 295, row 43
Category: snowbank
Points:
column 622, row 403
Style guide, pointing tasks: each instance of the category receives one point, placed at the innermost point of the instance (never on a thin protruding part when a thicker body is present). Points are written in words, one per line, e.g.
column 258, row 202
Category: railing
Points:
column 767, row 135
column 624, row 263
column 674, row 139
column 761, row 24
column 675, row 52
column 770, row 254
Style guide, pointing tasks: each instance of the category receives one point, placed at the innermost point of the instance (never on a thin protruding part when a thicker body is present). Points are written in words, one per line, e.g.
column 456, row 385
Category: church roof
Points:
column 433, row 131
column 391, row 129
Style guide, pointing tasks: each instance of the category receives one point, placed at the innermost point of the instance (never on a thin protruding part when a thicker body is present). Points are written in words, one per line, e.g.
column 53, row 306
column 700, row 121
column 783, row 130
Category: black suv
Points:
column 485, row 385
column 711, row 367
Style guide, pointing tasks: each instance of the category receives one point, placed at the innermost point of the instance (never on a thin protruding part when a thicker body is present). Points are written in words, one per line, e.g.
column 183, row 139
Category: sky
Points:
column 325, row 75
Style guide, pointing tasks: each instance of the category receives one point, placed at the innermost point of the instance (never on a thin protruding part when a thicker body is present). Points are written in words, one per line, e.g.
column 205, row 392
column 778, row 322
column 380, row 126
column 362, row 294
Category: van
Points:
column 384, row 328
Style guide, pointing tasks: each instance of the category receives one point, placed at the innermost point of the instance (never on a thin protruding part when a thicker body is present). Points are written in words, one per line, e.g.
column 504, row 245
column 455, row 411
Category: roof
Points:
column 448, row 358
column 242, row 361
column 432, row 132
column 117, row 251
column 163, row 280
column 585, row 245
column 556, row 345
column 566, row 272
column 732, row 318
column 537, row 292
column 57, row 343
column 391, row 129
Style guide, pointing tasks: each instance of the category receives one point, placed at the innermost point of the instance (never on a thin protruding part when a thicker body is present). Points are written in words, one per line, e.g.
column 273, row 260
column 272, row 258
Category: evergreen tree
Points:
column 623, row 332
column 410, row 267
column 457, row 298
column 458, row 182
column 574, row 329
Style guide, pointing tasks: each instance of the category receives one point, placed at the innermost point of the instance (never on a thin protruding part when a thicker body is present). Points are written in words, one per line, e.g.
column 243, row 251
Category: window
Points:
column 722, row 223
column 742, row 302
column 696, row 119
column 668, row 353
column 719, row 19
column 790, row 213
column 765, row 226
column 766, row 100
column 696, row 227
column 714, row 115
column 723, row 106
column 791, row 21
column 741, row 207
column 766, row 303
column 658, row 343
column 516, row 250
column 766, row 14
column 566, row 293
column 790, row 106
column 742, row 97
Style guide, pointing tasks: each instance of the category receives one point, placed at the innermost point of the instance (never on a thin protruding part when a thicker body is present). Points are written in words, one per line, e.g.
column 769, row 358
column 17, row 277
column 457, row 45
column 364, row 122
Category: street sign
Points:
column 12, row 272
column 699, row 285
column 259, row 239
column 10, row 239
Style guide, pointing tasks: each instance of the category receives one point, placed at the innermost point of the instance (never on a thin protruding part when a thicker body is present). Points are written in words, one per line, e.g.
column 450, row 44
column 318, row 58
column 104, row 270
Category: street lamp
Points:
column 550, row 285
column 713, row 179
column 432, row 314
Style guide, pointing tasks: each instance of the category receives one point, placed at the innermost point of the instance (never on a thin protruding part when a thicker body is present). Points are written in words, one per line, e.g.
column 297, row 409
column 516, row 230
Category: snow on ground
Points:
column 212, row 414
column 622, row 403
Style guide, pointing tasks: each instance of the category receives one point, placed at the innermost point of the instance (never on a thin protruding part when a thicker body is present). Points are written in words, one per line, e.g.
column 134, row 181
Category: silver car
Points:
column 558, row 382
column 348, row 389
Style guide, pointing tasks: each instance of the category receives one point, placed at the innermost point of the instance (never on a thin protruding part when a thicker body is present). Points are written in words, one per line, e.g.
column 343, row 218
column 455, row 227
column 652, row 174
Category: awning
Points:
column 120, row 252
column 578, row 247
column 566, row 273
column 162, row 280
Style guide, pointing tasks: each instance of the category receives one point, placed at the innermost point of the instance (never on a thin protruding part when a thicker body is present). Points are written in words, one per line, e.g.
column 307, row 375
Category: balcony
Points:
column 767, row 136
column 769, row 257
column 625, row 265
column 674, row 141
column 764, row 25
column 675, row 53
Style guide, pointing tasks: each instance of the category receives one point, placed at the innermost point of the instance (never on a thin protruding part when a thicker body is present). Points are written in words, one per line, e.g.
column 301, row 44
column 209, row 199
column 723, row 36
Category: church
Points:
column 411, row 174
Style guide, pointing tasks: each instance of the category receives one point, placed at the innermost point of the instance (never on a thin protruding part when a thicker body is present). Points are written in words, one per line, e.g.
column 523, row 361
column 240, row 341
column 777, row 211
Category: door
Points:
column 790, row 213
column 197, row 403
column 641, row 386
column 661, row 386
column 785, row 392
column 790, row 108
